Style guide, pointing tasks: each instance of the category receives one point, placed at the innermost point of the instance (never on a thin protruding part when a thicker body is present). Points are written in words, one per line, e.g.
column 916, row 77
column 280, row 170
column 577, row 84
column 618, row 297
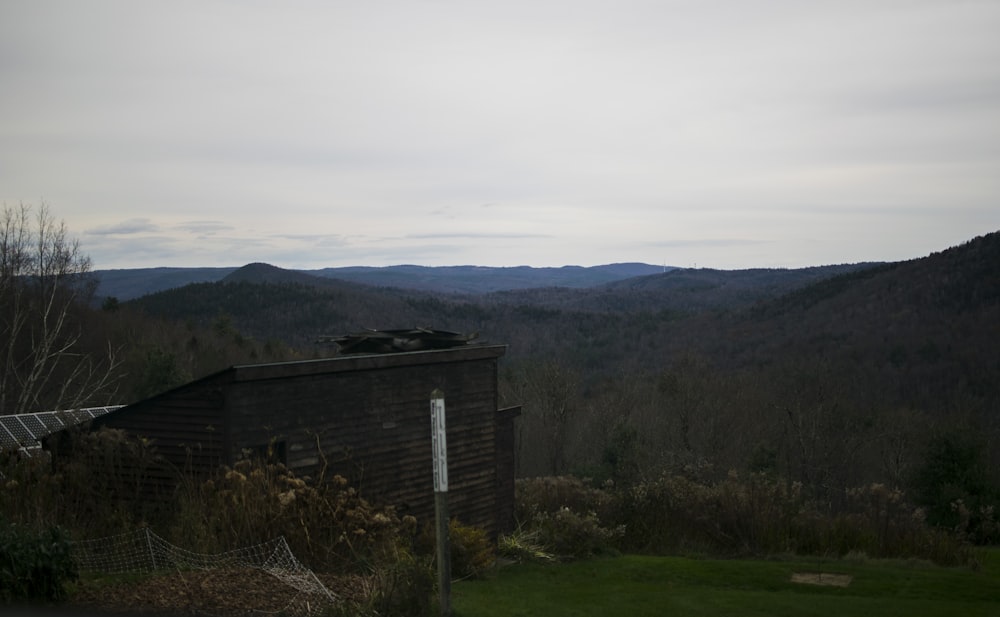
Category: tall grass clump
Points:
column 553, row 493
column 562, row 516
column 326, row 523
column 402, row 584
column 749, row 514
column 328, row 526
column 677, row 513
column 758, row 514
column 877, row 521
column 93, row 486
column 472, row 552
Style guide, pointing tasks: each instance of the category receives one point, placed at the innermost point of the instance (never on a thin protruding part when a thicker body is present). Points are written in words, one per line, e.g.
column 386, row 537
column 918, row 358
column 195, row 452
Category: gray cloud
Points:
column 125, row 228
column 476, row 236
column 505, row 133
column 204, row 228
column 704, row 243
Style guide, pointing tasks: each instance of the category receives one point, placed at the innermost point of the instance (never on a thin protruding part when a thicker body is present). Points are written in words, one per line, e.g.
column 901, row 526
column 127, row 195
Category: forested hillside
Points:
column 131, row 283
column 904, row 317
column 834, row 383
column 820, row 380
column 296, row 307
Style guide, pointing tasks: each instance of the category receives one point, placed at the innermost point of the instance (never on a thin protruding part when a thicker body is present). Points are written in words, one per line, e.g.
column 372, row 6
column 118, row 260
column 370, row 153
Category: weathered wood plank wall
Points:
column 372, row 425
column 186, row 426
column 366, row 418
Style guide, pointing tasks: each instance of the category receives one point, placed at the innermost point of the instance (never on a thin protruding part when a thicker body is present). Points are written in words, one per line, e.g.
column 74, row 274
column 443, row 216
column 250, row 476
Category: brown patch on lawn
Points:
column 822, row 578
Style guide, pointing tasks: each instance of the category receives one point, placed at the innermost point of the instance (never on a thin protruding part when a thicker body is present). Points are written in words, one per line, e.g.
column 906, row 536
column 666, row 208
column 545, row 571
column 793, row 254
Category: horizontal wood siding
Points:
column 366, row 417
column 186, row 427
column 372, row 426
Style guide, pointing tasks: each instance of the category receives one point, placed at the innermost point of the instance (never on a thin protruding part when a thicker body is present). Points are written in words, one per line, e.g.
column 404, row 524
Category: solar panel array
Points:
column 26, row 430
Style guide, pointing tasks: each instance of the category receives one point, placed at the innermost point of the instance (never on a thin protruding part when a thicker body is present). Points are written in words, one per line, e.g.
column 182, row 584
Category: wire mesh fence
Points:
column 143, row 552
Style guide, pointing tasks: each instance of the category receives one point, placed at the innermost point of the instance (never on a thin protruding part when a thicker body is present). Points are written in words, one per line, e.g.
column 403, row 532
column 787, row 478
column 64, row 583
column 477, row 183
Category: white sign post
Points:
column 439, row 443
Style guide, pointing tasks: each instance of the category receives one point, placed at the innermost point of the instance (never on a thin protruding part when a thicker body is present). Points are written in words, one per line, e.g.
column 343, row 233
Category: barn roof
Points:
column 335, row 364
column 345, row 363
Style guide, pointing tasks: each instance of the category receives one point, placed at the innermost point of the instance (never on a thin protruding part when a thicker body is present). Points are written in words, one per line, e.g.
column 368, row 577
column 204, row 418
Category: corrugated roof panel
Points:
column 52, row 421
column 34, row 425
column 19, row 430
column 25, row 430
column 7, row 439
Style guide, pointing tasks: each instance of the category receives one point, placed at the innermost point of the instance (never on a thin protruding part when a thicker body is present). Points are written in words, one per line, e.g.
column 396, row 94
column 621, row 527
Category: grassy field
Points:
column 681, row 587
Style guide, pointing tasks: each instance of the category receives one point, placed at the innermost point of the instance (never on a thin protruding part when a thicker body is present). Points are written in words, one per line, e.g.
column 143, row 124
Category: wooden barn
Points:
column 367, row 416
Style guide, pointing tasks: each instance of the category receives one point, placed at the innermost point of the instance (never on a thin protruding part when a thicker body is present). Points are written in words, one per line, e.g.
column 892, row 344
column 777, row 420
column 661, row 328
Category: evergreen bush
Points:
column 34, row 565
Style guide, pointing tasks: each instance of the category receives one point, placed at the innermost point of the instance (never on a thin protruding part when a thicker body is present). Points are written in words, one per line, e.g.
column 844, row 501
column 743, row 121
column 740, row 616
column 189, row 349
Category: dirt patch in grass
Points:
column 822, row 578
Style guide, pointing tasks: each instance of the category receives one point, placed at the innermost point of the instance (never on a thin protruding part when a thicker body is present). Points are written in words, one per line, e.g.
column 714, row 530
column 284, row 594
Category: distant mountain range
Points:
column 640, row 281
column 836, row 376
column 127, row 284
column 923, row 310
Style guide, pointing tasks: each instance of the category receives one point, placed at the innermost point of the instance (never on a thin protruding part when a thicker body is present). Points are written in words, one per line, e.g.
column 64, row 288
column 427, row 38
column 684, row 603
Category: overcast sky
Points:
column 727, row 134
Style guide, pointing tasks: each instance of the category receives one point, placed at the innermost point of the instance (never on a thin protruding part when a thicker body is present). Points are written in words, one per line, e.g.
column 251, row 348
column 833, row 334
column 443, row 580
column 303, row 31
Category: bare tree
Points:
column 45, row 284
column 549, row 394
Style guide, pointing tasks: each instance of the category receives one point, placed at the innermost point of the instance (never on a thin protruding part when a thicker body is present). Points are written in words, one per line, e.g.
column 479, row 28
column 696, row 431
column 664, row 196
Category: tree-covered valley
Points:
column 832, row 377
column 827, row 411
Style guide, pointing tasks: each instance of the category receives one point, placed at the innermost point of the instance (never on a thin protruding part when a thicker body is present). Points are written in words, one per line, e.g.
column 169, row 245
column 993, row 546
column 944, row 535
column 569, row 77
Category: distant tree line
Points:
column 888, row 374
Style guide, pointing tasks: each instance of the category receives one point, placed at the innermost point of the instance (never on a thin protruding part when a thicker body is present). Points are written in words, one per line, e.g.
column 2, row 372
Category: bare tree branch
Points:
column 44, row 287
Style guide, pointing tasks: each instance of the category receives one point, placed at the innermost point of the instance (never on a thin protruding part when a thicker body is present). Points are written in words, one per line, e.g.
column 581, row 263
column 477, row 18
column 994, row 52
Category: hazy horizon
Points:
column 312, row 134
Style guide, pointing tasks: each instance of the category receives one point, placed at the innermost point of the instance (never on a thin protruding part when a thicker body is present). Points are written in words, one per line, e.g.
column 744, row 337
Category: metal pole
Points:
column 149, row 545
column 439, row 444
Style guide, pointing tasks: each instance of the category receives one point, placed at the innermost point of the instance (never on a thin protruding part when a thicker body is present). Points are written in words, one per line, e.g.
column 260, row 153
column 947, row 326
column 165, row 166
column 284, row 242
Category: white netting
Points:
column 142, row 551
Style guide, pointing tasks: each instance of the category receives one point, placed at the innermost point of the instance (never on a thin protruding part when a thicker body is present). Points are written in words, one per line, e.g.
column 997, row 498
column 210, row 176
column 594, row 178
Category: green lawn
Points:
column 680, row 587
